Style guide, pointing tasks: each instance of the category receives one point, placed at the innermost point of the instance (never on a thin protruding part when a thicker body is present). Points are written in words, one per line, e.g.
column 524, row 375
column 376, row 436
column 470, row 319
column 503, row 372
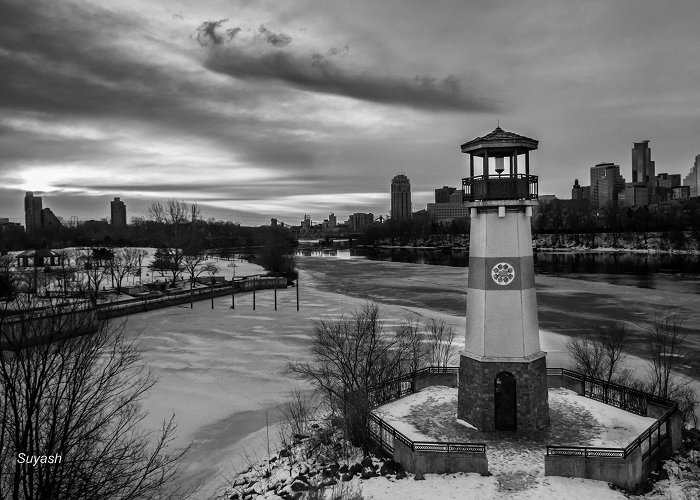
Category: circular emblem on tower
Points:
column 503, row 273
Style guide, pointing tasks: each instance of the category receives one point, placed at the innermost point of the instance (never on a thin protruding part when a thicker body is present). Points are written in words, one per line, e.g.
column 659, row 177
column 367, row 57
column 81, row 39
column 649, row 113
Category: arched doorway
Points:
column 505, row 402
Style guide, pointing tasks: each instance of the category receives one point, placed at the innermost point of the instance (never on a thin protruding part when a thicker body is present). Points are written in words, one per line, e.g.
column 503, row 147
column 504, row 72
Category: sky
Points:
column 260, row 109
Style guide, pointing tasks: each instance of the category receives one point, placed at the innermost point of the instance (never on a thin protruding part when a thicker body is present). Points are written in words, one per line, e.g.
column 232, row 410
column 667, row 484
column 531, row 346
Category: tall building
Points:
column 400, row 198
column 579, row 192
column 49, row 221
column 359, row 221
column 606, row 185
column 442, row 195
column 636, row 194
column 332, row 220
column 692, row 179
column 118, row 209
column 643, row 166
column 32, row 213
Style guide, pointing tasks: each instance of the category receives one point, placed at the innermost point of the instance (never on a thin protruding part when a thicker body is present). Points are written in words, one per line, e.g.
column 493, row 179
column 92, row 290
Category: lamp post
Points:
column 233, row 286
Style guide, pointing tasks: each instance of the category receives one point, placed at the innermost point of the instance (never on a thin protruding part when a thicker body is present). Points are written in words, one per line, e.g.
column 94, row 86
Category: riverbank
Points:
column 671, row 242
column 222, row 370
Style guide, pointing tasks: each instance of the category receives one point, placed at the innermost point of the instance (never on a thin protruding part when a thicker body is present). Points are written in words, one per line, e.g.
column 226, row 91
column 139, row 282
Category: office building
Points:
column 447, row 212
column 118, row 210
column 442, row 195
column 606, row 185
column 49, row 221
column 359, row 221
column 401, row 198
column 692, row 179
column 32, row 213
column 643, row 167
column 636, row 194
column 579, row 192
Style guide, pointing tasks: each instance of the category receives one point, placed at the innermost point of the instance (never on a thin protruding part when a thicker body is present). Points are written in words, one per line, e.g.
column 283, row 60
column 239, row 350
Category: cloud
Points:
column 208, row 33
column 319, row 73
column 275, row 39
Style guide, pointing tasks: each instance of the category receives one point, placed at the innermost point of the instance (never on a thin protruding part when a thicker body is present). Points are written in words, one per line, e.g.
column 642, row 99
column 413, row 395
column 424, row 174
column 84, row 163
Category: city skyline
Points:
column 286, row 110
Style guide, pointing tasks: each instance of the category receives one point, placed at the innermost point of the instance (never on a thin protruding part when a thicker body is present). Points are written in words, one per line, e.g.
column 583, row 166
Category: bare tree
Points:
column 75, row 400
column 94, row 274
column 350, row 355
column 588, row 356
column 614, row 341
column 410, row 343
column 211, row 269
column 666, row 340
column 176, row 222
column 192, row 265
column 440, row 342
column 124, row 263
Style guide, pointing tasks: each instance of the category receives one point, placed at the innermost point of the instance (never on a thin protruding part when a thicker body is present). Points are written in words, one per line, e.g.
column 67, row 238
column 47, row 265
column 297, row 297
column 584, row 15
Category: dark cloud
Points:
column 275, row 39
column 208, row 33
column 319, row 73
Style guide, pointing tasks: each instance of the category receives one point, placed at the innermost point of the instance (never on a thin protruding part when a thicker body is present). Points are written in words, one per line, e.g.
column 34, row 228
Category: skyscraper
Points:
column 606, row 184
column 401, row 198
column 692, row 179
column 643, row 168
column 32, row 213
column 118, row 209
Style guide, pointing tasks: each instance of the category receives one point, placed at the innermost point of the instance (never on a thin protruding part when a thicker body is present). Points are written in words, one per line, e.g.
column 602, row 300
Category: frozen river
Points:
column 222, row 371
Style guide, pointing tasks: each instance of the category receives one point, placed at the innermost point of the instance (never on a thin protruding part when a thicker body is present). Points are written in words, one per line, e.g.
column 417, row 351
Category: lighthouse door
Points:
column 505, row 402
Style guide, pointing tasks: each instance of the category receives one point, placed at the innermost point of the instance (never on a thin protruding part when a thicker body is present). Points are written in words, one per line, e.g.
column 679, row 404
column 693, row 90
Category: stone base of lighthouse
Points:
column 503, row 394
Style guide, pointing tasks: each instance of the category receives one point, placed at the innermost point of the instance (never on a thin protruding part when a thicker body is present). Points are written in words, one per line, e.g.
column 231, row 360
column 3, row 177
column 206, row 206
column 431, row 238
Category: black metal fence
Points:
column 495, row 187
column 631, row 400
column 384, row 434
column 159, row 299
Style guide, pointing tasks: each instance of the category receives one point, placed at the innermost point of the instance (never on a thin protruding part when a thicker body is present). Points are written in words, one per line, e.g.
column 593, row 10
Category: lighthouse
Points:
column 502, row 371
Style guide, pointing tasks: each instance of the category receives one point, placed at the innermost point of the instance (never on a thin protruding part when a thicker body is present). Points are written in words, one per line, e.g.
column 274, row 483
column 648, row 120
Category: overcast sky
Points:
column 259, row 109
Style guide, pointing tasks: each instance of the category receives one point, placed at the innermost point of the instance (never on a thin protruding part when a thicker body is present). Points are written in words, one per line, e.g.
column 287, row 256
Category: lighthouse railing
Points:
column 500, row 187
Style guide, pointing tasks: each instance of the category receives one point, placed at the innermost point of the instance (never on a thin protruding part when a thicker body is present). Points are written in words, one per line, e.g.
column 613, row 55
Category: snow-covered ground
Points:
column 222, row 370
column 430, row 415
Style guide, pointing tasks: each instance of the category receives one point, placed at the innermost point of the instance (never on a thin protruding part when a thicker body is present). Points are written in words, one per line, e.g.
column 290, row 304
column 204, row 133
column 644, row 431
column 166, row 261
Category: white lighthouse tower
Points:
column 503, row 372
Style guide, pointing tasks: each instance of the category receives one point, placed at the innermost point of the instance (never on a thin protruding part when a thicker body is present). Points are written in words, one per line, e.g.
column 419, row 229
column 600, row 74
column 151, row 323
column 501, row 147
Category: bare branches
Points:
column 440, row 342
column 414, row 351
column 588, row 356
column 351, row 354
column 666, row 339
column 77, row 398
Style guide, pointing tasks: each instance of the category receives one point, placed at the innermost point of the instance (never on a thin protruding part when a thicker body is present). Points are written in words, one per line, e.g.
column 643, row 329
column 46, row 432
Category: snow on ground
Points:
column 221, row 370
column 473, row 486
column 431, row 415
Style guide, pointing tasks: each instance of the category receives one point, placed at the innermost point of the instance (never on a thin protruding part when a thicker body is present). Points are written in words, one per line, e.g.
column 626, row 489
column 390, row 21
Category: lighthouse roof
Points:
column 499, row 143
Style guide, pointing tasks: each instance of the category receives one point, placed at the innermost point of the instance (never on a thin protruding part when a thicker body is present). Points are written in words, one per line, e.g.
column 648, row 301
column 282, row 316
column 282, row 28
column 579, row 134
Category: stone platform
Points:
column 431, row 415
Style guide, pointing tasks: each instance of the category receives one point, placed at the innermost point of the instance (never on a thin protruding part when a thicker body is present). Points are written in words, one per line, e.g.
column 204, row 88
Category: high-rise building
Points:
column 692, row 180
column 32, row 213
column 442, row 195
column 118, row 209
column 49, row 221
column 643, row 167
column 332, row 220
column 606, row 185
column 401, row 198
